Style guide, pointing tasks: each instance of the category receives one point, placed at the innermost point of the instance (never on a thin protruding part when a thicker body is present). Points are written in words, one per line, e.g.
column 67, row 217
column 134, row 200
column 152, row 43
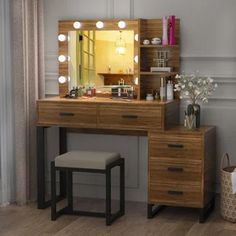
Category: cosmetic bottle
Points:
column 169, row 91
column 165, row 30
column 162, row 90
column 172, row 30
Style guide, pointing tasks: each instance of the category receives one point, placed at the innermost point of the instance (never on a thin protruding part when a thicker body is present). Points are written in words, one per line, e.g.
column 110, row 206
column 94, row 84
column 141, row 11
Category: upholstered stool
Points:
column 86, row 161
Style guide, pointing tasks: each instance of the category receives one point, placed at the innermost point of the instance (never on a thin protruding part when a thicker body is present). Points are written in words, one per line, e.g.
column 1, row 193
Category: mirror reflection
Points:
column 101, row 58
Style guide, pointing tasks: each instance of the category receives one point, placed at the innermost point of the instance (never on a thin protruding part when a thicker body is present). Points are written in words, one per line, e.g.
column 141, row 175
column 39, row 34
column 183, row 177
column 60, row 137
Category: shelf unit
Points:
column 149, row 81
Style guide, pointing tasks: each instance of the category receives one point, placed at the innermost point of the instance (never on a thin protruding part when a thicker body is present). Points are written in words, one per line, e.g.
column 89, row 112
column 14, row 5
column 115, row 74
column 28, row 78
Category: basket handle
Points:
column 225, row 156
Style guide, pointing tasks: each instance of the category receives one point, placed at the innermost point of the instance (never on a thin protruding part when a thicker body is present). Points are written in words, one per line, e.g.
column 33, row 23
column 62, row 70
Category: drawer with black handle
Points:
column 67, row 114
column 175, row 195
column 130, row 116
column 176, row 146
column 174, row 170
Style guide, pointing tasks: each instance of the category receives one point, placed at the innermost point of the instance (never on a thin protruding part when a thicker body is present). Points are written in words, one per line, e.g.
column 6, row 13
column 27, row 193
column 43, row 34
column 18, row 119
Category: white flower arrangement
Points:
column 196, row 88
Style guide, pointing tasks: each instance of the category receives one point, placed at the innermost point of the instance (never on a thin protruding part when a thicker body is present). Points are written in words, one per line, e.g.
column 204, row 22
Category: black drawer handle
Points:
column 66, row 114
column 130, row 116
column 175, row 145
column 176, row 169
column 175, row 192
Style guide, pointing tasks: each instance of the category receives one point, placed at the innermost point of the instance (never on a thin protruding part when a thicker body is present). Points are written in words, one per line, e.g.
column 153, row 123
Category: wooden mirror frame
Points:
column 67, row 25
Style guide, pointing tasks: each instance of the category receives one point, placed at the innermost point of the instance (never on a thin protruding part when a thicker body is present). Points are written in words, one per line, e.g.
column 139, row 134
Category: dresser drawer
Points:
column 175, row 195
column 176, row 146
column 131, row 117
column 68, row 114
column 174, row 170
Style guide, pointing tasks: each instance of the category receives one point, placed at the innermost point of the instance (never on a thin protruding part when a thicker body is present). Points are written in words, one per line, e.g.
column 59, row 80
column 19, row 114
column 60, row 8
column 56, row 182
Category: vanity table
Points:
column 181, row 169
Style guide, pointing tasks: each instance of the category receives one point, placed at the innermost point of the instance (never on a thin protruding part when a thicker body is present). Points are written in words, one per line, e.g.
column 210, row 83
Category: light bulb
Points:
column 136, row 37
column 99, row 24
column 62, row 79
column 136, row 59
column 61, row 58
column 77, row 25
column 121, row 24
column 61, row 37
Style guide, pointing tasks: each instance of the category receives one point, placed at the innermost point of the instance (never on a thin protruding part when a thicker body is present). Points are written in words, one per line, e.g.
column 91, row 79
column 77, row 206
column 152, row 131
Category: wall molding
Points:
column 208, row 58
column 131, row 9
column 110, row 9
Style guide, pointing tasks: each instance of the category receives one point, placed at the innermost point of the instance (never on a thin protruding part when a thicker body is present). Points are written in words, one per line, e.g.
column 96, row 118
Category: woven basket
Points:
column 228, row 199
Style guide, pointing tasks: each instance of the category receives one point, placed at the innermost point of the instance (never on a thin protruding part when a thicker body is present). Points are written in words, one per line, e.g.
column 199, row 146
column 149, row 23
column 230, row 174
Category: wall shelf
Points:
column 159, row 46
column 158, row 73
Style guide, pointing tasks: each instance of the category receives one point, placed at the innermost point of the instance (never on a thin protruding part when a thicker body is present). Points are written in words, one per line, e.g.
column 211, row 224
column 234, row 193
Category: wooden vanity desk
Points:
column 180, row 162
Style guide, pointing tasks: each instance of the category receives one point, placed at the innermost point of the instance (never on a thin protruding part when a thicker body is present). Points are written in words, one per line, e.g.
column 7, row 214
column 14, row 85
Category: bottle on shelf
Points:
column 169, row 91
column 165, row 30
column 162, row 90
column 171, row 30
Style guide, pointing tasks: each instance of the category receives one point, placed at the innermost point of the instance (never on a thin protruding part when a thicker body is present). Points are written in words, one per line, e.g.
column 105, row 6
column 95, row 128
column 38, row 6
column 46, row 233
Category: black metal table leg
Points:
column 152, row 212
column 41, row 167
column 205, row 212
column 62, row 149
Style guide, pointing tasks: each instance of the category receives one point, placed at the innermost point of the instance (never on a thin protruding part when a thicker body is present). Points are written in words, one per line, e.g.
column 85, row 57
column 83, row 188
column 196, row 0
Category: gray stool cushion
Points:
column 86, row 159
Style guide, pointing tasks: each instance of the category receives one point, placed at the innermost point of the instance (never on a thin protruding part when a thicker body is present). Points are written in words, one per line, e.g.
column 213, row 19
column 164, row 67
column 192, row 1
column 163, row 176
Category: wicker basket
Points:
column 228, row 199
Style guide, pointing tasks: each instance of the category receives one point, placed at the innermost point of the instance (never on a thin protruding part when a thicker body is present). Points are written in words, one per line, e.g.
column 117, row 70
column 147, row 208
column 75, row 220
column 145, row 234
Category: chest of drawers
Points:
column 181, row 167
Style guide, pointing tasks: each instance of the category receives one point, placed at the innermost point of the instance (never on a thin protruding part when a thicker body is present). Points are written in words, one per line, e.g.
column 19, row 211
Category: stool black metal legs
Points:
column 69, row 208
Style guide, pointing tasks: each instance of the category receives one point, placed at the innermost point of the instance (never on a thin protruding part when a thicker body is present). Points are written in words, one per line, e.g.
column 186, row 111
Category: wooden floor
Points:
column 27, row 220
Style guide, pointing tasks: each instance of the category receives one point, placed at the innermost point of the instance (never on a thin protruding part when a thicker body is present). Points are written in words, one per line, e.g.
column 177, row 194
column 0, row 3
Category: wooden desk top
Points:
column 101, row 100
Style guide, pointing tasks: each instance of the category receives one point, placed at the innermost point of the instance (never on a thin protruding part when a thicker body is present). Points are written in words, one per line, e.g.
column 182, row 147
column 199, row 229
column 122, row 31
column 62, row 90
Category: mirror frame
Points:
column 65, row 26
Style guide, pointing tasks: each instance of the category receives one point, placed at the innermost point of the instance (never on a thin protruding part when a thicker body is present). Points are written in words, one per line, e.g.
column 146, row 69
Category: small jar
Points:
column 149, row 97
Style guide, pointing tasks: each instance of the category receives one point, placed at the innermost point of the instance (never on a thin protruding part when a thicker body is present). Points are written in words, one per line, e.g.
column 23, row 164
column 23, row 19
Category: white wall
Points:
column 208, row 44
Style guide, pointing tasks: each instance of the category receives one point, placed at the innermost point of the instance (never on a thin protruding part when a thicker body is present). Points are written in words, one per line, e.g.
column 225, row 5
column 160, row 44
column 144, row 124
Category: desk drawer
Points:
column 174, row 171
column 175, row 195
column 176, row 146
column 129, row 116
column 67, row 114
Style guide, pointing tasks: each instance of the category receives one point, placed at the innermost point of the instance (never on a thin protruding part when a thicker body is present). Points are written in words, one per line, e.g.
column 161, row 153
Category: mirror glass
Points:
column 101, row 57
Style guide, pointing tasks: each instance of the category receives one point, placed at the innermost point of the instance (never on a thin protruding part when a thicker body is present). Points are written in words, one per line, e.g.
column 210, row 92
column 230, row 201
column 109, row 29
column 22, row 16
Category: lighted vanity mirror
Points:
column 100, row 58
column 97, row 53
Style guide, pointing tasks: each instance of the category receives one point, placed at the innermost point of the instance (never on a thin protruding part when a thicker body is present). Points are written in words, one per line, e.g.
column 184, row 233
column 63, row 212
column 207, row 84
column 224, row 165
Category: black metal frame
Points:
column 41, row 150
column 152, row 210
column 203, row 212
column 69, row 191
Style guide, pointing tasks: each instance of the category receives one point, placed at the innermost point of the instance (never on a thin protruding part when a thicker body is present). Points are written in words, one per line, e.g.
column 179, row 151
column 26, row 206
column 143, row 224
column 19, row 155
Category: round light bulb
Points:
column 62, row 79
column 61, row 37
column 99, row 24
column 136, row 37
column 61, row 58
column 77, row 25
column 136, row 59
column 121, row 24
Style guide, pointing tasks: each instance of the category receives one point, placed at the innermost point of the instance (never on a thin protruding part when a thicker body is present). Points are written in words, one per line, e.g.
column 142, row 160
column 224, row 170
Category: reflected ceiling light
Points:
column 136, row 37
column 68, row 58
column 62, row 79
column 136, row 81
column 136, row 59
column 61, row 58
column 121, row 24
column 99, row 24
column 120, row 45
column 68, row 78
column 77, row 25
column 61, row 37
